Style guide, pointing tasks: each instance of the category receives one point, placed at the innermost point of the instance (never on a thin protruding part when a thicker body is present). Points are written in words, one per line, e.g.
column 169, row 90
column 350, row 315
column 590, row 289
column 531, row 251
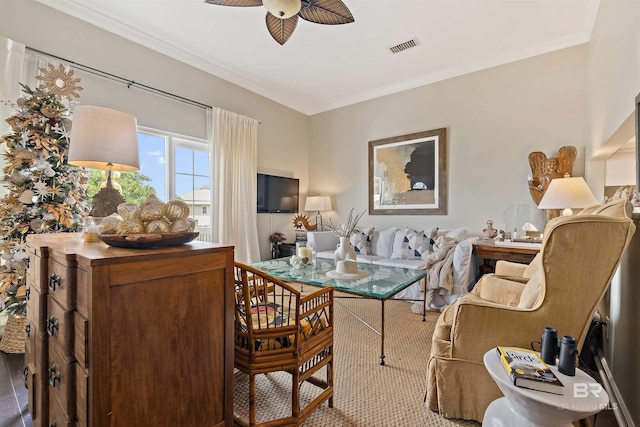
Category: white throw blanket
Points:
column 440, row 271
column 440, row 265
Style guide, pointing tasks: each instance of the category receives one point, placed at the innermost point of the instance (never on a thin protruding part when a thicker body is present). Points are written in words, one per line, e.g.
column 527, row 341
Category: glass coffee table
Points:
column 381, row 283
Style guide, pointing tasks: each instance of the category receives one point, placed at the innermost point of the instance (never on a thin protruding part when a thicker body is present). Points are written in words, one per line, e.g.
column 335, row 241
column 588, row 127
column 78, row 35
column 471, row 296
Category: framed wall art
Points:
column 408, row 174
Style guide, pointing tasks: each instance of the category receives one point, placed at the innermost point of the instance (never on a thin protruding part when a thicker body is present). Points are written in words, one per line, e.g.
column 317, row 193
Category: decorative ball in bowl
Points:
column 150, row 224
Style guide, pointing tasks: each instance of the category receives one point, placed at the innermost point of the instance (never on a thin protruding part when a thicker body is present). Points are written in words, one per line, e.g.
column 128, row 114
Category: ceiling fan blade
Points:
column 239, row 3
column 328, row 12
column 281, row 29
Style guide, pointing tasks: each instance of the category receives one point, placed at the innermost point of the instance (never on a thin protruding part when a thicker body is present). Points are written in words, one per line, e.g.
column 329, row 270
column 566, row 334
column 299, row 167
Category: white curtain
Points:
column 234, row 166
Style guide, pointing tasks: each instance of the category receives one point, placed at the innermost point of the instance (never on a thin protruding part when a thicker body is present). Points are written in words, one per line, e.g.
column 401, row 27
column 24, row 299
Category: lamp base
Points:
column 106, row 201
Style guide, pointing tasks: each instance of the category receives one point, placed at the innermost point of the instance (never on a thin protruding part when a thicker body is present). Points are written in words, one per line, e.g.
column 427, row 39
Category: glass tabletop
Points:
column 381, row 282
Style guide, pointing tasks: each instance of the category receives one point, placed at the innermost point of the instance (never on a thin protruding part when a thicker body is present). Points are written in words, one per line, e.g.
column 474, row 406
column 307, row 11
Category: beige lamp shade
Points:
column 103, row 138
column 317, row 203
column 566, row 193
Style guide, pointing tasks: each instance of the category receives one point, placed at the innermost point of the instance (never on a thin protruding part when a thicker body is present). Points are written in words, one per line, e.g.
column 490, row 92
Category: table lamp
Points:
column 566, row 193
column 103, row 138
column 318, row 203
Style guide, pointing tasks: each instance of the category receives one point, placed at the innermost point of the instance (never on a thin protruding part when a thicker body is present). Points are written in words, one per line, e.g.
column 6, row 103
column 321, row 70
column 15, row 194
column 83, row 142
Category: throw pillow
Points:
column 382, row 242
column 417, row 244
column 361, row 241
column 531, row 292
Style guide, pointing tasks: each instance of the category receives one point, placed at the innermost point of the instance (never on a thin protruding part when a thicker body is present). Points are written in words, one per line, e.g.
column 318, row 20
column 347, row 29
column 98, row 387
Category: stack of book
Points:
column 526, row 369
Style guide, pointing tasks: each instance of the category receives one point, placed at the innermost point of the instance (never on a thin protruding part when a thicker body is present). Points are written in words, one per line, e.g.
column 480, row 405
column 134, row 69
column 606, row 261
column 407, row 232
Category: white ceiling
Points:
column 323, row 67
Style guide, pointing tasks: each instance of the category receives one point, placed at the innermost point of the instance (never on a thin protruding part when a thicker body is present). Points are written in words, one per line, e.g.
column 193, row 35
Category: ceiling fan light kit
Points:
column 282, row 9
column 282, row 15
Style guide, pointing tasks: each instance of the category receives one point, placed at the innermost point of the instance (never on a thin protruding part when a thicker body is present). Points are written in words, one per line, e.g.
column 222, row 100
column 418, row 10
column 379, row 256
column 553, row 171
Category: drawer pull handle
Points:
column 28, row 292
column 26, row 262
column 54, row 375
column 54, row 281
column 52, row 325
column 25, row 374
column 28, row 329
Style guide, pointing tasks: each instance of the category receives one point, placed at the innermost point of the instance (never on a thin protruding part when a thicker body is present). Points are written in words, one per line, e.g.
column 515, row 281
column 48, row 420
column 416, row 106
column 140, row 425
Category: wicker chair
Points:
column 277, row 329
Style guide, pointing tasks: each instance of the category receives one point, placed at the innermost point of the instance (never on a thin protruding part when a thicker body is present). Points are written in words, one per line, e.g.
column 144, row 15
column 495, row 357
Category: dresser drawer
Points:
column 36, row 307
column 36, row 353
column 58, row 417
column 61, row 284
column 37, row 396
column 82, row 289
column 59, row 327
column 82, row 385
column 34, row 273
column 80, row 346
column 62, row 383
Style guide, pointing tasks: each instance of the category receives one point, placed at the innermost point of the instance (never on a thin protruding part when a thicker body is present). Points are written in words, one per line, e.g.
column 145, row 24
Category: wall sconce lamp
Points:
column 107, row 139
column 318, row 203
column 566, row 193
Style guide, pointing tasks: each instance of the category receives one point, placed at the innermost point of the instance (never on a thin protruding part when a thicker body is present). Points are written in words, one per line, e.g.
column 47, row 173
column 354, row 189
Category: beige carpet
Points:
column 365, row 393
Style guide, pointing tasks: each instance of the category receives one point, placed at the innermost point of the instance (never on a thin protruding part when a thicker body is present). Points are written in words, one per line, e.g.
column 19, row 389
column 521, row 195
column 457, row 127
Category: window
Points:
column 192, row 178
column 171, row 167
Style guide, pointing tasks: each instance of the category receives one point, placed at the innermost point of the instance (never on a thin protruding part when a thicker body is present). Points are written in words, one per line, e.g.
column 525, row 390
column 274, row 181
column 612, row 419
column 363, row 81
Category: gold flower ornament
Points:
column 59, row 81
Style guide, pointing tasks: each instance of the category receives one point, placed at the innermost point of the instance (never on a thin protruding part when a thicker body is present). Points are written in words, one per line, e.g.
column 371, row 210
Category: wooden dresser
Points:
column 128, row 337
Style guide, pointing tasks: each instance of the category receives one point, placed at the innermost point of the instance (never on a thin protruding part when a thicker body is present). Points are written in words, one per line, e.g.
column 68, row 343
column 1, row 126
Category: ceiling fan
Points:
column 282, row 15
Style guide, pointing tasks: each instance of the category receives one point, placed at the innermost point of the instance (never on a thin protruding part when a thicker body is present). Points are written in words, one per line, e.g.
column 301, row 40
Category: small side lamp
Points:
column 318, row 203
column 103, row 138
column 566, row 193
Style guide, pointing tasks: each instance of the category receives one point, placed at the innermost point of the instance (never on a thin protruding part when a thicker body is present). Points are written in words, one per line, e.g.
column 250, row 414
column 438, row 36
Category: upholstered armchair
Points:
column 560, row 288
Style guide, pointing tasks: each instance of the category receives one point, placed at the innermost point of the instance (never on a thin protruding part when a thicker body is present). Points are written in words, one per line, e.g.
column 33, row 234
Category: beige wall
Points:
column 494, row 119
column 282, row 130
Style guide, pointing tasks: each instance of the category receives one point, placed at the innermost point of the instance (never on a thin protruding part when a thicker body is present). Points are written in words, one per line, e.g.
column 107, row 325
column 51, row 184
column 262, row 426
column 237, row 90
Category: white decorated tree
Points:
column 45, row 193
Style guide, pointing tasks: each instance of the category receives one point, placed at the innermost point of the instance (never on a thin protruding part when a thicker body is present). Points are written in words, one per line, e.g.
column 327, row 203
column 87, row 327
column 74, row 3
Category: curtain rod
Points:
column 119, row 79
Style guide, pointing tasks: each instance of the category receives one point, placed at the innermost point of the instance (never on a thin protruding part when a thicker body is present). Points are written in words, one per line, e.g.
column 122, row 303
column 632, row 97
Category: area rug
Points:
column 366, row 394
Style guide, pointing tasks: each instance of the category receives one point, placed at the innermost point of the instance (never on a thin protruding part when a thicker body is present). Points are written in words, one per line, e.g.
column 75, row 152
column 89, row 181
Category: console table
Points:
column 134, row 337
column 487, row 249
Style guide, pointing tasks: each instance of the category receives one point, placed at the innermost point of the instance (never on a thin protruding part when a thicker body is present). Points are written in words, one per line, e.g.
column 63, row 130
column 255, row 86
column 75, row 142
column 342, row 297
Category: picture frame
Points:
column 408, row 174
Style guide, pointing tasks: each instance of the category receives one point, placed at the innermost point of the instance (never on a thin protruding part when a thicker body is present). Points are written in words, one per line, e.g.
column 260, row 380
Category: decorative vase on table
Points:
column 344, row 251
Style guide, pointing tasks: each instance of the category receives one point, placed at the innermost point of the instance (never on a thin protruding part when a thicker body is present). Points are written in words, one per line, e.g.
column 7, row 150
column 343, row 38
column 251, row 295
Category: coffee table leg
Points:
column 382, row 335
column 424, row 301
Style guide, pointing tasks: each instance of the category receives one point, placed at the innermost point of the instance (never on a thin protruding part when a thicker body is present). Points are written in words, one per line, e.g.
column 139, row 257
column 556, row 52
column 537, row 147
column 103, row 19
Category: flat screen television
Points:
column 277, row 194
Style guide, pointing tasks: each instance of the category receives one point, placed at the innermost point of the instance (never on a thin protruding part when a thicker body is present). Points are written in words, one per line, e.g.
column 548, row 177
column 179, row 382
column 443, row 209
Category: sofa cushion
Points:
column 411, row 244
column 361, row 241
column 382, row 242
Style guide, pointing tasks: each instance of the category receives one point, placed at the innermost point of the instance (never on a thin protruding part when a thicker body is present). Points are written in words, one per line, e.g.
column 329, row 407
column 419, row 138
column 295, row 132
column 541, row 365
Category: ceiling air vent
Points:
column 403, row 46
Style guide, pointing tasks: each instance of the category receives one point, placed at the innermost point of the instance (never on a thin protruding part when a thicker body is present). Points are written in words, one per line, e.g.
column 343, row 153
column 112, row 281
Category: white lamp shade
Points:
column 283, row 9
column 570, row 192
column 103, row 138
column 317, row 203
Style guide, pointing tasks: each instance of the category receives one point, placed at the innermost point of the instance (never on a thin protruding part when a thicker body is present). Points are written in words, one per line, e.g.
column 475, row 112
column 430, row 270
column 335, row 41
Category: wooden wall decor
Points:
column 544, row 169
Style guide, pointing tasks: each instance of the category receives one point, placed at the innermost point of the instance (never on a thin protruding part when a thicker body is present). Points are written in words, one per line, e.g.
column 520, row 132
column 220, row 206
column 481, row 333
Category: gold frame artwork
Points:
column 408, row 174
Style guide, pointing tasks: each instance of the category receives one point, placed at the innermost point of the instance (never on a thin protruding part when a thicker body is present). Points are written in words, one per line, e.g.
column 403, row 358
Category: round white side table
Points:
column 520, row 407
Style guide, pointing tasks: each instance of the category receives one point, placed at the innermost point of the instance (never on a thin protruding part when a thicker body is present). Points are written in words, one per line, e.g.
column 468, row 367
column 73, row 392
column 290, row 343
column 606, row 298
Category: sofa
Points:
column 446, row 253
